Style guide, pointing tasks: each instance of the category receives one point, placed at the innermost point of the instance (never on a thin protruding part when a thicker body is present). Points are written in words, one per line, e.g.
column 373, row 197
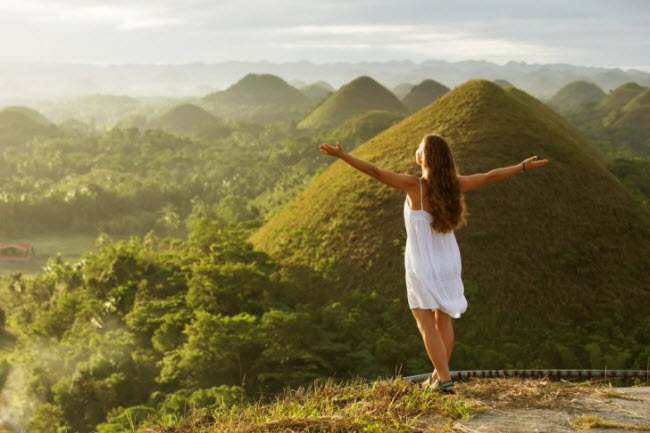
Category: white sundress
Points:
column 432, row 264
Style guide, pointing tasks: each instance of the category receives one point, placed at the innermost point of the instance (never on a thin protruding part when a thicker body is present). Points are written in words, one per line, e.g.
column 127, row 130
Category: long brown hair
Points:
column 446, row 201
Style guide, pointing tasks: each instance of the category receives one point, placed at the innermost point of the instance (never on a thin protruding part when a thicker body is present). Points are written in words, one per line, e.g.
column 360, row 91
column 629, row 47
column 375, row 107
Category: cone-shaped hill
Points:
column 184, row 119
column 424, row 94
column 30, row 113
column 317, row 91
column 502, row 82
column 19, row 124
column 564, row 242
column 576, row 96
column 364, row 126
column 617, row 98
column 403, row 89
column 257, row 97
column 641, row 100
column 636, row 113
column 359, row 95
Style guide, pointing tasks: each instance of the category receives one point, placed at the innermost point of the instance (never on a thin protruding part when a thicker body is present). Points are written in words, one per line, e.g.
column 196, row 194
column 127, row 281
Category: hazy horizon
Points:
column 645, row 68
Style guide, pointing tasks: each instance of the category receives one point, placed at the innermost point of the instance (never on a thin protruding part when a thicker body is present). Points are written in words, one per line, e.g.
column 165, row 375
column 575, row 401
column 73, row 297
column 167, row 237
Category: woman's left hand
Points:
column 332, row 151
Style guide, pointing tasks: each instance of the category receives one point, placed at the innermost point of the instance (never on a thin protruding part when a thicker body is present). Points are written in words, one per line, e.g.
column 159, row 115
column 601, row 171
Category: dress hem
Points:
column 437, row 307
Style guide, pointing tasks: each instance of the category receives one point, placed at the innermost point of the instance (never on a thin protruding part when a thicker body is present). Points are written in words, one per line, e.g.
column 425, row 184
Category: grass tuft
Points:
column 585, row 422
column 385, row 405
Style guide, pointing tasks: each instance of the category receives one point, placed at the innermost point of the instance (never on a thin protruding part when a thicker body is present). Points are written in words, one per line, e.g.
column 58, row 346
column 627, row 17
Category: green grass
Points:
column 355, row 405
column 585, row 422
column 7, row 341
column 361, row 405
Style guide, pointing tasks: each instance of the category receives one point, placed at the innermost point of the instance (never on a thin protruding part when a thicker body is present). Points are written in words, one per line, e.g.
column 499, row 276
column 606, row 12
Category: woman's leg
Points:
column 446, row 329
column 433, row 342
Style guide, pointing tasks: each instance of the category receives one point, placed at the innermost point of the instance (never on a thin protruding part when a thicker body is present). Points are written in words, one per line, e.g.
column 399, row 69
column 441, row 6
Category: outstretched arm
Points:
column 394, row 180
column 474, row 181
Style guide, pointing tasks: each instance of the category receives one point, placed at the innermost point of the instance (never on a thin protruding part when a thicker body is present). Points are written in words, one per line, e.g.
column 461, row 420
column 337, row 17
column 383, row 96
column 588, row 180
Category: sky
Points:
column 581, row 32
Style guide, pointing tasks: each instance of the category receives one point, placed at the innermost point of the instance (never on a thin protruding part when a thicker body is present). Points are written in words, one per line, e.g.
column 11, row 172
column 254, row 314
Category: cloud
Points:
column 122, row 17
column 588, row 32
column 451, row 41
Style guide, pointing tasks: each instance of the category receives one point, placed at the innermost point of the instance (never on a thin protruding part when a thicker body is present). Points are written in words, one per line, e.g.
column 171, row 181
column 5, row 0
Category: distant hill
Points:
column 184, row 119
column 260, row 98
column 576, row 95
column 502, row 83
column 297, row 83
column 317, row 91
column 401, row 90
column 566, row 243
column 19, row 80
column 364, row 126
column 100, row 111
column 620, row 96
column 359, row 95
column 617, row 121
column 30, row 113
column 424, row 94
column 639, row 101
column 636, row 113
column 20, row 124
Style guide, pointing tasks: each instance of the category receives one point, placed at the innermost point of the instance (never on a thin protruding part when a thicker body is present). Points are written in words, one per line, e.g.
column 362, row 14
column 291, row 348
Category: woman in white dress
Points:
column 432, row 259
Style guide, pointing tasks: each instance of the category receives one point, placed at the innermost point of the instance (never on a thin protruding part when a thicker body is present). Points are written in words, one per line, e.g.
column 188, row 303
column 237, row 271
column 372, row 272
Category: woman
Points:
column 432, row 260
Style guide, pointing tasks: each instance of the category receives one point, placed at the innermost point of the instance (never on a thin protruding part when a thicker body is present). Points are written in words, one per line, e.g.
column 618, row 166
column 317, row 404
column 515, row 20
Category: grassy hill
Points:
column 260, row 98
column 566, row 243
column 317, row 91
column 364, row 126
column 576, row 95
column 30, row 113
column 502, row 82
column 423, row 94
column 20, row 124
column 359, row 95
column 184, row 119
column 617, row 98
column 641, row 100
column 636, row 113
column 403, row 89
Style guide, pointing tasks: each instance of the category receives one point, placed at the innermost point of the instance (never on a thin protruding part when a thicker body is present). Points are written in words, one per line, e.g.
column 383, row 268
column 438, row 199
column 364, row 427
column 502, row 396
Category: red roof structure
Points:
column 16, row 250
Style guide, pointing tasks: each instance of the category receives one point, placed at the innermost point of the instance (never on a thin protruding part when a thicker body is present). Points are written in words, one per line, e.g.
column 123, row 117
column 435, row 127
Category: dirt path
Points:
column 605, row 410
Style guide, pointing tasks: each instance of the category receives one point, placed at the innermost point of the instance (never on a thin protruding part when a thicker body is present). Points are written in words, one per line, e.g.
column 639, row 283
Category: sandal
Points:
column 430, row 382
column 444, row 387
